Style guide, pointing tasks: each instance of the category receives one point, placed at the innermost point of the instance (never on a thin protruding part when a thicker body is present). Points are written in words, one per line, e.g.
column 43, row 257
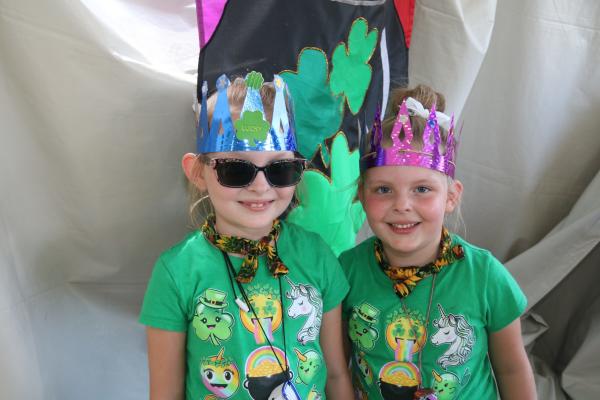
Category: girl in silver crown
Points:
column 247, row 305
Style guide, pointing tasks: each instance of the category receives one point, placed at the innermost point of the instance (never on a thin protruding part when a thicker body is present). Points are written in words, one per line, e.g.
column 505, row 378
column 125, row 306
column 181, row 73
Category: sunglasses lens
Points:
column 235, row 173
column 285, row 173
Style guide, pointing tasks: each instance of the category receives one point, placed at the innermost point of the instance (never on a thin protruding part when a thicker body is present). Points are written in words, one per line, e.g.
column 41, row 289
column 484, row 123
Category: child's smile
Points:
column 248, row 211
column 257, row 205
column 405, row 207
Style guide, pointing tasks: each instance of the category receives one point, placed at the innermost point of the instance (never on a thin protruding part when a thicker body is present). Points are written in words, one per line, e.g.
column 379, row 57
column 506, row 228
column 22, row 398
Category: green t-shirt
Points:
column 228, row 354
column 472, row 298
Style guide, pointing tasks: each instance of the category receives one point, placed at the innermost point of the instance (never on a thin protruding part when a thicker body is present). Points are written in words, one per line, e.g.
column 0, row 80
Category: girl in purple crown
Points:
column 425, row 307
column 247, row 305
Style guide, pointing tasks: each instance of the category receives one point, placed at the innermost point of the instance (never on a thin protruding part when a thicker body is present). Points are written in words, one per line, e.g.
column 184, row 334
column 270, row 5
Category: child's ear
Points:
column 359, row 191
column 455, row 189
column 193, row 169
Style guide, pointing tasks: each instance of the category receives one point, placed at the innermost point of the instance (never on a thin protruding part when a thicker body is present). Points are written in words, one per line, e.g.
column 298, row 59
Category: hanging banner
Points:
column 339, row 58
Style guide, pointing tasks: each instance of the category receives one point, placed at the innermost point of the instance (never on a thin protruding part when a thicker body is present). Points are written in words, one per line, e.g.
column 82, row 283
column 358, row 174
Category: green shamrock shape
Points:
column 361, row 333
column 254, row 80
column 398, row 330
column 252, row 127
column 213, row 324
column 317, row 111
column 269, row 308
column 351, row 73
column 327, row 205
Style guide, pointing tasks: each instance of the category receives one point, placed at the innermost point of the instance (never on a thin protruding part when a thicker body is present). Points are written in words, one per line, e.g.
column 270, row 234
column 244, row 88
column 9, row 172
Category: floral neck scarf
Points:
column 406, row 278
column 251, row 249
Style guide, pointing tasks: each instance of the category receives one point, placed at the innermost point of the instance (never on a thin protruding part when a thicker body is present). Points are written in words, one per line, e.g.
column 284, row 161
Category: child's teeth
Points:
column 257, row 205
column 402, row 226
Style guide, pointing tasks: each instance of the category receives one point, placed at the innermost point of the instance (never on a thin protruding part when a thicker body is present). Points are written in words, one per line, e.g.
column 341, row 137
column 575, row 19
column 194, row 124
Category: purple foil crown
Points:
column 403, row 152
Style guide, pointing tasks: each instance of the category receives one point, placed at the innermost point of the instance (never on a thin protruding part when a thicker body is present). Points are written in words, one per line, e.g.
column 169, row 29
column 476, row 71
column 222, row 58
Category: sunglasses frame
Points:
column 214, row 162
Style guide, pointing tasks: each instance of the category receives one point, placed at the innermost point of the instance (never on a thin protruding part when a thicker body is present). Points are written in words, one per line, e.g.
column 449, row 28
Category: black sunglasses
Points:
column 236, row 173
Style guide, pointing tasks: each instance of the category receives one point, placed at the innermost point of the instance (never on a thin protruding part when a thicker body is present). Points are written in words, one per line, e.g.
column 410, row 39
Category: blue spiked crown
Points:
column 251, row 132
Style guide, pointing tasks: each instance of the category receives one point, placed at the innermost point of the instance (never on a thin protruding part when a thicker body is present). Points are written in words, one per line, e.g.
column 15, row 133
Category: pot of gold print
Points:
column 264, row 371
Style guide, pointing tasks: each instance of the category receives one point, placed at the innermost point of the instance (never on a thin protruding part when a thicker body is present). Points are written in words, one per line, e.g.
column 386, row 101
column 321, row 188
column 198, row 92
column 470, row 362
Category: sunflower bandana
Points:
column 251, row 249
column 406, row 278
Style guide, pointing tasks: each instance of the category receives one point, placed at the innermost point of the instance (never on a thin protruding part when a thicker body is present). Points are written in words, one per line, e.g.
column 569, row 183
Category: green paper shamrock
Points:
column 351, row 73
column 252, row 127
column 317, row 112
column 254, row 80
column 328, row 206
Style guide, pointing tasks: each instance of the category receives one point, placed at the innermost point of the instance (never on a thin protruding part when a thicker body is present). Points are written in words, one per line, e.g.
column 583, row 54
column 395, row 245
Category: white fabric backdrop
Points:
column 95, row 113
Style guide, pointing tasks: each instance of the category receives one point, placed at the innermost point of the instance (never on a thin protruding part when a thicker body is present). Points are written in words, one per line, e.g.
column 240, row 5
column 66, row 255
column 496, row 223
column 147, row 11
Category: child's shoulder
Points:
column 479, row 260
column 472, row 250
column 364, row 247
column 194, row 243
column 298, row 233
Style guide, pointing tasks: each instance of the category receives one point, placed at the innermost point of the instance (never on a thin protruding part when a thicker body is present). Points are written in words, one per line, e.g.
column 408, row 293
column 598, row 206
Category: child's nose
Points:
column 402, row 202
column 260, row 183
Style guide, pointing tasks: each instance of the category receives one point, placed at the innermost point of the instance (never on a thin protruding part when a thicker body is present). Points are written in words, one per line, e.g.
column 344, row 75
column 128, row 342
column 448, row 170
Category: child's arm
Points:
column 511, row 366
column 338, row 385
column 166, row 360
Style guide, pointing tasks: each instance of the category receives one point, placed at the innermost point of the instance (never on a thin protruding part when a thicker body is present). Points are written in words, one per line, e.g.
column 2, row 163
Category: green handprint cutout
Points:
column 351, row 73
column 327, row 206
column 318, row 113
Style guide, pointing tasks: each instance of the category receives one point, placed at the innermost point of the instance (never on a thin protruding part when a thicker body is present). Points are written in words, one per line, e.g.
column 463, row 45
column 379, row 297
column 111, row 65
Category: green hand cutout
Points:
column 318, row 113
column 327, row 206
column 351, row 73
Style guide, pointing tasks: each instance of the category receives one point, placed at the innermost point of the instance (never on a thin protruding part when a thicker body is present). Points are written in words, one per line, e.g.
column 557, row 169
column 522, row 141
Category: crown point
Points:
column 278, row 82
column 407, row 153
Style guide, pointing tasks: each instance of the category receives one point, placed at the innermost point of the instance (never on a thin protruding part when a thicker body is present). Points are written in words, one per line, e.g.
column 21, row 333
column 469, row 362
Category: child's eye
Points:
column 382, row 189
column 422, row 189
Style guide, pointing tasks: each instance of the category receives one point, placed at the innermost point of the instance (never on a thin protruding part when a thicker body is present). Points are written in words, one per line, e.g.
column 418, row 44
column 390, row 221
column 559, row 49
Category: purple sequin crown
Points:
column 403, row 152
column 251, row 132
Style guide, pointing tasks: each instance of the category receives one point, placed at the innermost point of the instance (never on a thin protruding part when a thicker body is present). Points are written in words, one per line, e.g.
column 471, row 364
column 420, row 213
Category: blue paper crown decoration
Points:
column 251, row 132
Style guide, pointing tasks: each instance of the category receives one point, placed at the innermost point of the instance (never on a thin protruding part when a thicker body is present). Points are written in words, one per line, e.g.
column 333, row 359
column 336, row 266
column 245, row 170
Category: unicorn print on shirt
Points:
column 306, row 300
column 455, row 331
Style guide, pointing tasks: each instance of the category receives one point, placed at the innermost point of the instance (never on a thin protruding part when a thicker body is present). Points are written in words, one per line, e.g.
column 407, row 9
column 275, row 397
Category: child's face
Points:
column 247, row 212
column 405, row 208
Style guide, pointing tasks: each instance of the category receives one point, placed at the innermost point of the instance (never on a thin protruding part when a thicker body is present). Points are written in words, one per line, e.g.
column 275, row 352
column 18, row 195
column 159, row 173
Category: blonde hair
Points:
column 427, row 97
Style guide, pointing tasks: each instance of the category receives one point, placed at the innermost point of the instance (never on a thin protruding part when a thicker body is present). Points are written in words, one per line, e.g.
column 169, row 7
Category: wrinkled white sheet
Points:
column 529, row 160
column 95, row 113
